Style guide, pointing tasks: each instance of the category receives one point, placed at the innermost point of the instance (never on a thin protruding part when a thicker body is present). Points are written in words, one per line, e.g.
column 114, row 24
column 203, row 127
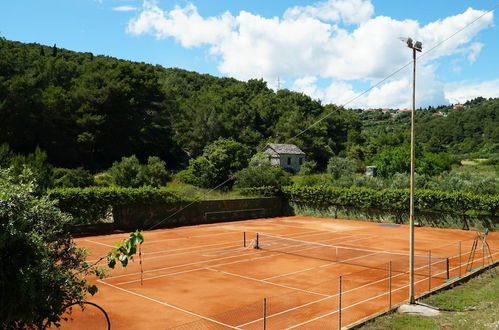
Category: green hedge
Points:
column 92, row 205
column 396, row 201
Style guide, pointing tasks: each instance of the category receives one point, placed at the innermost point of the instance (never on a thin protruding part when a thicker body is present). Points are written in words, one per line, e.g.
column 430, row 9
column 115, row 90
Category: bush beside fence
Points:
column 92, row 205
column 435, row 206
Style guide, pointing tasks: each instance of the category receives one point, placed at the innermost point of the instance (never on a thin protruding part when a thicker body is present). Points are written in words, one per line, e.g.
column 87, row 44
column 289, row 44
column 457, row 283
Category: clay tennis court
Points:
column 307, row 273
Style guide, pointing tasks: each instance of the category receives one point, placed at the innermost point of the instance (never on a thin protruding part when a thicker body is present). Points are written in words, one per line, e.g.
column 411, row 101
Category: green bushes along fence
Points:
column 434, row 207
column 92, row 205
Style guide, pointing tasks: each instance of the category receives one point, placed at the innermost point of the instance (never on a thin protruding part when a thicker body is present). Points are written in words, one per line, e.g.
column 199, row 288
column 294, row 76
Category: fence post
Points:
column 264, row 313
column 483, row 253
column 339, row 303
column 390, row 282
column 447, row 267
column 257, row 246
column 244, row 239
column 459, row 258
column 429, row 270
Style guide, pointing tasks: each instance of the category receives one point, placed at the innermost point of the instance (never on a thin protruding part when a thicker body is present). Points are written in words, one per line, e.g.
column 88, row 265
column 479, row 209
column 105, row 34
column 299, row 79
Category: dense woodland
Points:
column 91, row 111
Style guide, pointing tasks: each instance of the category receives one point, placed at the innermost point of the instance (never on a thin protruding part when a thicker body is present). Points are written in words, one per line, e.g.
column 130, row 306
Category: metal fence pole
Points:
column 339, row 303
column 390, row 282
column 483, row 253
column 429, row 270
column 459, row 258
column 447, row 267
column 257, row 242
column 264, row 313
column 244, row 239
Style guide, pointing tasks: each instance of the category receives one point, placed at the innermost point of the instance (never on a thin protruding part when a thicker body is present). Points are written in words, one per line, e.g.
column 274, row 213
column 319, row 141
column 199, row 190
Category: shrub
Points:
column 154, row 173
column 125, row 172
column 307, row 168
column 262, row 176
column 73, row 178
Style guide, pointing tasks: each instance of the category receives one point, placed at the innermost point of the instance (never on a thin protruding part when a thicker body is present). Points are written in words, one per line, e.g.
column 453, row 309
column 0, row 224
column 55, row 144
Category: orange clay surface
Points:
column 202, row 277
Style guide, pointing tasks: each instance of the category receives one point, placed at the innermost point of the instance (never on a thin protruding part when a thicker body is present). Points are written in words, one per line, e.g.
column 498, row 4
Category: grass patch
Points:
column 475, row 168
column 203, row 193
column 472, row 305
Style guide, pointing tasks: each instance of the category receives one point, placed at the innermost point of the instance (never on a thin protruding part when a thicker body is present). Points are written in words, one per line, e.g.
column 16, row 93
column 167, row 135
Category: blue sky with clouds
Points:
column 330, row 49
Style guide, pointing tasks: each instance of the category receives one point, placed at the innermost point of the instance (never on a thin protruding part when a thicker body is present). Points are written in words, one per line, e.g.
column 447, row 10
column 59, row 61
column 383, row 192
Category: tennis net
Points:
column 423, row 265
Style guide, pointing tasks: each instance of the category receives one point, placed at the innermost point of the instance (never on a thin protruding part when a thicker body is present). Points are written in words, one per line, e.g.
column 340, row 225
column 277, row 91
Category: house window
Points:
column 301, row 160
column 289, row 160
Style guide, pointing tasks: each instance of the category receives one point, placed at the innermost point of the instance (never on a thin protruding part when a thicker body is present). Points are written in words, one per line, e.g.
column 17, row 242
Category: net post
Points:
column 339, row 303
column 447, row 267
column 244, row 239
column 390, row 283
column 257, row 245
column 429, row 270
column 264, row 313
column 459, row 247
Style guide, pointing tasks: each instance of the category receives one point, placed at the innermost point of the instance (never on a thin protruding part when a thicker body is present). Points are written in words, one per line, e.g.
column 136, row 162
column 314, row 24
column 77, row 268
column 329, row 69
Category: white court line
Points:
column 196, row 269
column 99, row 243
column 194, row 237
column 167, row 304
column 262, row 281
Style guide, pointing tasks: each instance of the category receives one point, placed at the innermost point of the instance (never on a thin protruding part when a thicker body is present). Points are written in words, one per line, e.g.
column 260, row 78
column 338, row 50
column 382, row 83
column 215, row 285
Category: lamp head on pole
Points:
column 418, row 46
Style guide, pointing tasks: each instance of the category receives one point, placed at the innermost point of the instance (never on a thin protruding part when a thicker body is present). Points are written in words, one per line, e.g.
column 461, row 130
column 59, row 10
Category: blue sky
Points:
column 331, row 49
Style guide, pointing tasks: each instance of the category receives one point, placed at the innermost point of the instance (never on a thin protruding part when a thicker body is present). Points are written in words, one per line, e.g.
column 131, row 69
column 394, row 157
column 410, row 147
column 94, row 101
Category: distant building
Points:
column 457, row 106
column 285, row 156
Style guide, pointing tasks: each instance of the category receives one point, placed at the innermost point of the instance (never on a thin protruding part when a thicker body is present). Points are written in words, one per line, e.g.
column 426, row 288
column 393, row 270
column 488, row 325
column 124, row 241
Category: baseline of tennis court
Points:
column 277, row 273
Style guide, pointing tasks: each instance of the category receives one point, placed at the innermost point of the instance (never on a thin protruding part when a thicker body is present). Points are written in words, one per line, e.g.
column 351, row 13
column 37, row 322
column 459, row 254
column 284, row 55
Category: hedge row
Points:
column 93, row 204
column 394, row 201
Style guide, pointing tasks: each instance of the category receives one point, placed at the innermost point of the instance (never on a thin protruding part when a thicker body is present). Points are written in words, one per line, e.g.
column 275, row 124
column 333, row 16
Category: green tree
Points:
column 38, row 164
column 154, row 173
column 262, row 175
column 42, row 270
column 339, row 167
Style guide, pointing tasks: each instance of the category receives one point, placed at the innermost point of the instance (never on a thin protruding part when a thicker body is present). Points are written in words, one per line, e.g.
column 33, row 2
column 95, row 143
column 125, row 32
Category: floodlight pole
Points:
column 416, row 47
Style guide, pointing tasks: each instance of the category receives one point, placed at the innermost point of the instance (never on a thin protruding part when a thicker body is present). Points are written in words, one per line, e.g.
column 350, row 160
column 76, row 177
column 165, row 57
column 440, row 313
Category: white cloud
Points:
column 347, row 11
column 183, row 24
column 307, row 85
column 308, row 42
column 124, row 8
column 462, row 92
column 474, row 50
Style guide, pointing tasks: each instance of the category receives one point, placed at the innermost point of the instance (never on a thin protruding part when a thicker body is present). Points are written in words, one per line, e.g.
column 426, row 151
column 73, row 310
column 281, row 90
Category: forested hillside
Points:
column 90, row 111
column 470, row 130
